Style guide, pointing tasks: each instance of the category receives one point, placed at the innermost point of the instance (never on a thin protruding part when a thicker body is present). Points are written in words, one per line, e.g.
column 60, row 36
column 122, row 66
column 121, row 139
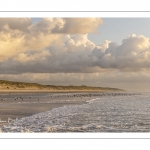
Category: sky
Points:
column 104, row 52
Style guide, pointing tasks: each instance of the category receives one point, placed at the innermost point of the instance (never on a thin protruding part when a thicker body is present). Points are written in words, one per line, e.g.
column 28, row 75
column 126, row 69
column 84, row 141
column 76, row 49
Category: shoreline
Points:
column 58, row 91
column 94, row 116
column 44, row 104
column 28, row 107
column 39, row 102
column 55, row 105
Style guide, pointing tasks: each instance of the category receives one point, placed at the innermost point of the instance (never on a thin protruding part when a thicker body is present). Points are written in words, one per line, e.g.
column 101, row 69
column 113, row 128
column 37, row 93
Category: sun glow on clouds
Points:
column 57, row 47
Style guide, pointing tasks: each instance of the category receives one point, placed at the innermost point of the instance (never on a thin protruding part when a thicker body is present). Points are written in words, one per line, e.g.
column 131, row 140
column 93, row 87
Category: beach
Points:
column 15, row 104
column 74, row 112
column 20, row 104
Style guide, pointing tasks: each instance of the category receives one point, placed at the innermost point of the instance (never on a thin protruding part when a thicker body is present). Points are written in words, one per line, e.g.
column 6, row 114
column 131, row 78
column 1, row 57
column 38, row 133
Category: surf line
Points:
column 90, row 101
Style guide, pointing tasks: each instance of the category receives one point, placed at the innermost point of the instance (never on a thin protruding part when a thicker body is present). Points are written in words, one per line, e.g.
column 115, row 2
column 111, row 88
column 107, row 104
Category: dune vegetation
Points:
column 10, row 85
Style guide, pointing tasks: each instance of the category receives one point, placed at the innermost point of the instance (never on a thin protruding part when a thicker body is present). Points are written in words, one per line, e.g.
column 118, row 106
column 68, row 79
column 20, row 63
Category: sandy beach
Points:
column 74, row 112
column 22, row 104
column 53, row 91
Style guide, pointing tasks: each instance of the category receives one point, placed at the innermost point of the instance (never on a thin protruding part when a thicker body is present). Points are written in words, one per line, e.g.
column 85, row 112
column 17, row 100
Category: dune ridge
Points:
column 17, row 86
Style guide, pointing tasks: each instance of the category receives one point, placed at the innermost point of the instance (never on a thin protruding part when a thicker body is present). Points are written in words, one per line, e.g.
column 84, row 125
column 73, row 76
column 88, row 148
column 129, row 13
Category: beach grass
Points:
column 10, row 85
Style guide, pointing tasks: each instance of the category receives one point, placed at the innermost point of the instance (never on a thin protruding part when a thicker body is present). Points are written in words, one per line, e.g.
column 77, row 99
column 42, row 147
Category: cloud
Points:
column 46, row 25
column 52, row 45
column 19, row 35
column 21, row 24
column 58, row 51
column 78, row 25
column 16, row 36
column 67, row 25
column 77, row 54
column 133, row 53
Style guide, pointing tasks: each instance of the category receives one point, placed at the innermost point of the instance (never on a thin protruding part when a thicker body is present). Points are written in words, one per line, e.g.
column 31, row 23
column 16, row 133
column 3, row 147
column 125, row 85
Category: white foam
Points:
column 92, row 100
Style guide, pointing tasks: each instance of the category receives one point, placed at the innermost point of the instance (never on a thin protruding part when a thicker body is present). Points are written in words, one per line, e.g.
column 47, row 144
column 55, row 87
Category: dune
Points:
column 10, row 86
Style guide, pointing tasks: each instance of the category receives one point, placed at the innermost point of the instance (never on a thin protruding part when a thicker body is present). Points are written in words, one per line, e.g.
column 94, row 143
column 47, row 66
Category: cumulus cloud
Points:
column 44, row 48
column 67, row 25
column 76, row 53
column 132, row 54
column 58, row 51
column 21, row 24
column 19, row 35
column 78, row 25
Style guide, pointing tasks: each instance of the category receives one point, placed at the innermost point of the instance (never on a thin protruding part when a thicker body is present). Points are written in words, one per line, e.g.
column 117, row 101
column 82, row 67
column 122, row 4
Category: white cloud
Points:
column 81, row 55
column 21, row 24
column 58, row 51
column 78, row 54
column 78, row 25
column 26, row 47
column 19, row 35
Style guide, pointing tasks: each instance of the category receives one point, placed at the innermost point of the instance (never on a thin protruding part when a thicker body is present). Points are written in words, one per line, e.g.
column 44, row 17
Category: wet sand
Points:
column 18, row 105
column 53, row 91
column 103, row 112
